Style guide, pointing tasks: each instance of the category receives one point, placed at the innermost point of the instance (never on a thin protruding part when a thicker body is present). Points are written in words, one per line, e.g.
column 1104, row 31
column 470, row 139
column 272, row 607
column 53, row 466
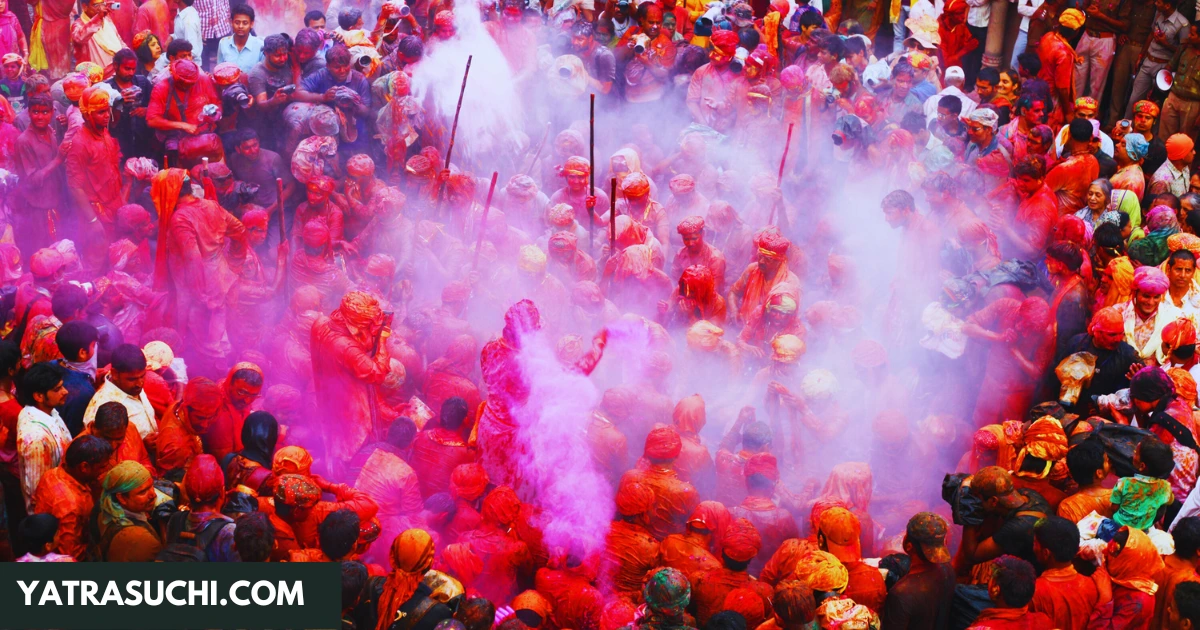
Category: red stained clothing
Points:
column 1130, row 609
column 466, row 518
column 674, row 499
column 1007, row 391
column 1035, row 220
column 1067, row 597
column 717, row 94
column 773, row 523
column 1175, row 572
column 504, row 559
column 608, row 445
column 1069, row 181
column 348, row 498
column 709, row 256
column 710, row 588
column 731, row 479
column 754, row 286
column 630, row 551
column 1058, row 64
column 196, row 242
column 866, row 585
column 155, row 16
column 224, row 435
column 94, row 166
column 393, row 486
column 436, row 452
column 9, row 411
column 165, row 100
column 176, row 443
column 1011, row 619
column 687, row 554
column 782, row 565
column 131, row 449
column 70, row 501
column 345, row 373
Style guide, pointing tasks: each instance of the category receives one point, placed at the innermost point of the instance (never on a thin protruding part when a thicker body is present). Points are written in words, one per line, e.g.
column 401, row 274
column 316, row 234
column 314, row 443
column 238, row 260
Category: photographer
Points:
column 396, row 21
column 129, row 113
column 647, row 55
column 94, row 36
column 716, row 91
column 177, row 101
column 271, row 85
column 339, row 85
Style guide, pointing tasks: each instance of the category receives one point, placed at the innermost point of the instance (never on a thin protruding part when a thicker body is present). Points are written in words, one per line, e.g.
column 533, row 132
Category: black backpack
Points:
column 184, row 545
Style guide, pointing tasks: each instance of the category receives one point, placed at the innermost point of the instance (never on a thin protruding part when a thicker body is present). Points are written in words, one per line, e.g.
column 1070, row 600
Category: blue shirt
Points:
column 245, row 58
column 320, row 81
column 79, row 393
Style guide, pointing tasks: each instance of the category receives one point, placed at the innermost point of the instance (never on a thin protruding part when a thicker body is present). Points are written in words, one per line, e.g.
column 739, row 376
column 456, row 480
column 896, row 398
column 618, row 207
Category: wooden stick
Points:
column 782, row 164
column 453, row 132
column 483, row 220
column 538, row 152
column 279, row 208
column 591, row 176
column 612, row 218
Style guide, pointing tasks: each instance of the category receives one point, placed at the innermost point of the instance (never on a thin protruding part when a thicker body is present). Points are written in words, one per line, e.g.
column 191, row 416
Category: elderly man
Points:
column 1144, row 320
column 750, row 292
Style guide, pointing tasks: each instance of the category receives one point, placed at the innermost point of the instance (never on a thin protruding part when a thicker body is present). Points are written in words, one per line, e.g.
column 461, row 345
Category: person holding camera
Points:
column 94, row 36
column 339, row 85
column 716, row 91
column 271, row 85
column 177, row 102
column 648, row 56
column 599, row 61
column 129, row 113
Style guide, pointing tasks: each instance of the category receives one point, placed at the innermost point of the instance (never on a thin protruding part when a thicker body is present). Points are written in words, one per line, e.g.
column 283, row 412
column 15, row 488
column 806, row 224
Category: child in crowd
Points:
column 1139, row 498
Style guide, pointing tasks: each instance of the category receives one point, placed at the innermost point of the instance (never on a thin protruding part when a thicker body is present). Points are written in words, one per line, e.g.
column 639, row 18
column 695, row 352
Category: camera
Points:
column 640, row 42
column 714, row 13
column 236, row 96
column 564, row 72
column 114, row 6
column 287, row 89
column 363, row 60
column 739, row 59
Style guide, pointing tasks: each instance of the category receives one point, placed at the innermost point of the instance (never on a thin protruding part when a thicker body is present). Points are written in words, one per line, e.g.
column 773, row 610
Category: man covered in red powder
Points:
column 752, row 437
column 1027, row 234
column 468, row 482
column 454, row 375
column 439, row 449
column 296, row 509
column 696, row 251
column 575, row 193
column 567, row 262
column 695, row 463
column 773, row 523
column 630, row 550
column 506, row 559
column 239, row 390
column 674, row 498
column 93, row 168
column 695, row 298
column 178, row 439
column 740, row 545
column 749, row 294
column 389, row 480
column 690, row 552
column 1022, row 346
column 516, row 42
column 350, row 352
column 716, row 92
column 838, row 532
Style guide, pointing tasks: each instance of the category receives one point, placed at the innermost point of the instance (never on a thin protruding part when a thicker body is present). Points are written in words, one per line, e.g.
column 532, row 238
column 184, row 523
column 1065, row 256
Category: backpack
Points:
column 184, row 545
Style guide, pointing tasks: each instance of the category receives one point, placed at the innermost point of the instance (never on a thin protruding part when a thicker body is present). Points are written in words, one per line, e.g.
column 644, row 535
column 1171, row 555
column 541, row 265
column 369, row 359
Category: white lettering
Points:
column 135, row 596
column 70, row 584
column 212, row 587
column 291, row 596
column 28, row 590
column 51, row 592
column 197, row 590
column 87, row 593
column 263, row 601
column 175, row 601
column 154, row 601
column 240, row 601
column 111, row 592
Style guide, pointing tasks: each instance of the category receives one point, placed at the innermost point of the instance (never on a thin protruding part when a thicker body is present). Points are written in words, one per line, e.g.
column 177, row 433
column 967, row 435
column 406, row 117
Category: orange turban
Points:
column 576, row 165
column 1183, row 240
column 635, row 185
column 74, row 85
column 663, row 443
column 1185, row 385
column 787, row 348
column 742, row 541
column 360, row 309
column 202, row 396
column 822, row 571
column 1181, row 332
column 1107, row 319
column 93, row 99
column 291, row 460
column 746, row 602
column 704, row 335
column 1046, row 440
column 634, row 498
column 411, row 556
column 762, row 464
column 468, row 481
column 501, row 506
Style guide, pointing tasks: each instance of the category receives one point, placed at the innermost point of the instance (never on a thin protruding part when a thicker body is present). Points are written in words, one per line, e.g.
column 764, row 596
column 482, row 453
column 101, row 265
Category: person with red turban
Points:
column 1105, row 339
column 239, row 389
column 636, row 203
column 468, row 483
column 506, row 559
column 773, row 523
column 318, row 205
column 93, row 174
column 740, row 545
column 314, row 265
column 440, row 448
column 685, row 200
column 674, row 498
column 956, row 39
column 1022, row 346
column 634, row 278
column 575, row 193
column 296, row 508
column 696, row 251
column 567, row 262
column 646, row 73
column 630, row 550
column 204, row 486
column 744, row 440
column 695, row 463
column 716, row 92
column 350, row 357
column 691, row 552
column 749, row 293
column 178, row 439
column 695, row 298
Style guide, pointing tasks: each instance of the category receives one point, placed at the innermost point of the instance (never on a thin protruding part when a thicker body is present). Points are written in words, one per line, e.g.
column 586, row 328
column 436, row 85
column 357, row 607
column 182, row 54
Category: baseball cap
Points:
column 994, row 481
column 928, row 530
column 842, row 531
column 955, row 72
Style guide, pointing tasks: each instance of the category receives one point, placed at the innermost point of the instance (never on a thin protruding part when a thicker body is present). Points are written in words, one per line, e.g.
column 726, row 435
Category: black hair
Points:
column 1084, row 459
column 313, row 16
column 1187, row 601
column 178, row 46
column 68, row 300
column 989, row 74
column 251, row 377
column 1182, row 254
column 128, row 358
column 142, row 54
column 1067, row 253
column 10, row 356
column 1108, row 236
column 411, row 46
column 913, row 122
column 74, row 337
column 726, row 620
column 1059, row 536
column 951, row 103
column 1015, row 578
column 1166, row 199
column 454, row 412
column 244, row 135
column 1156, row 457
column 1081, row 130
column 338, row 533
column 87, row 449
column 354, row 579
column 854, row 45
column 275, row 43
column 733, row 565
column 899, row 199
column 38, row 530
column 401, row 432
column 811, row 18
column 254, row 537
column 241, row 9
column 111, row 415
column 897, row 565
column 748, row 38
column 1187, row 536
column 339, row 54
column 39, row 379
column 1030, row 62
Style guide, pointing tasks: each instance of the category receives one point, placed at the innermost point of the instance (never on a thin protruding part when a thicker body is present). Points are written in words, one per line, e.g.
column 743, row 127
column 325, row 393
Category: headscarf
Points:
column 682, row 184
column 1046, row 440
column 822, row 571
column 1120, row 286
column 663, row 443
column 202, row 395
column 1179, row 145
column 411, row 556
column 1183, row 240
column 1151, row 280
column 742, row 541
column 185, row 70
column 46, row 262
column 468, row 481
column 260, row 433
column 576, row 165
column 763, row 464
column 291, row 460
column 204, row 482
column 296, row 491
column 1136, row 145
column 633, row 499
column 1137, row 564
column 725, row 41
column 126, row 476
column 1072, row 18
column 667, row 592
column 500, row 507
column 771, row 242
column 1149, row 108
column 360, row 310
column 93, row 99
column 704, row 335
column 531, row 259
column 845, row 614
column 748, row 603
column 690, row 225
column 635, row 185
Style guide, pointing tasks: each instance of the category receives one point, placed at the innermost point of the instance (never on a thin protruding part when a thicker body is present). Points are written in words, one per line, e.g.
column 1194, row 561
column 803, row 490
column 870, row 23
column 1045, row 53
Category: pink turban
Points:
column 690, row 225
column 1150, row 280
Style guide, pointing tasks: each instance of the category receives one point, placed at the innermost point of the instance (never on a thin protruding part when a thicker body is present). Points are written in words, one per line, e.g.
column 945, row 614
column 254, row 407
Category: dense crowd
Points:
column 276, row 291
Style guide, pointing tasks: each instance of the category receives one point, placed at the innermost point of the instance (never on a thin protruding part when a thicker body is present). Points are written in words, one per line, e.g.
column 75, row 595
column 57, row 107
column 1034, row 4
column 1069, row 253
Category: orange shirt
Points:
column 1077, row 506
column 1067, row 597
column 70, row 501
column 1174, row 573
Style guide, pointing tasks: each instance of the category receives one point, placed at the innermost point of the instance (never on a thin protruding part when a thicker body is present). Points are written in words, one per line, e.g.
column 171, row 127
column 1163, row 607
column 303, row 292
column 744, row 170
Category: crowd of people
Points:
column 364, row 294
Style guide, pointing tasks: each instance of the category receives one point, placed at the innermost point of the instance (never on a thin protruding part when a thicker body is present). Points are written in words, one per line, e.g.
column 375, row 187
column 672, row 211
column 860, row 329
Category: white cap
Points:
column 955, row 72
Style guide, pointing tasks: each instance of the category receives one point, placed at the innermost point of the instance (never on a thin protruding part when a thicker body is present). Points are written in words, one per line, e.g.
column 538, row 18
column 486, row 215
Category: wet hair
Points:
column 354, row 579
column 74, row 337
column 110, row 416
column 726, row 620
column 1156, row 457
column 68, row 300
column 254, row 537
column 339, row 54
column 244, row 135
column 1187, row 601
column 897, row 565
column 941, row 182
column 10, row 356
column 1108, row 236
column 401, row 432
column 275, row 43
column 40, row 378
column 454, row 411
column 1059, row 536
column 87, row 449
column 313, row 16
column 990, row 75
column 178, row 46
column 37, row 530
column 899, row 199
column 338, row 533
column 253, row 378
column 128, row 358
column 1187, row 536
column 476, row 613
column 1084, row 459
column 951, row 103
column 1015, row 579
column 242, row 9
column 1067, row 253
column 347, row 18
column 411, row 46
column 1182, row 254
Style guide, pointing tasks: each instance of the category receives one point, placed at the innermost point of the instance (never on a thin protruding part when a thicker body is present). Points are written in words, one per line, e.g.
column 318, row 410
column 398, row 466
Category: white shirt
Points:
column 42, row 440
column 187, row 26
column 1027, row 8
column 141, row 414
column 931, row 103
column 979, row 14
